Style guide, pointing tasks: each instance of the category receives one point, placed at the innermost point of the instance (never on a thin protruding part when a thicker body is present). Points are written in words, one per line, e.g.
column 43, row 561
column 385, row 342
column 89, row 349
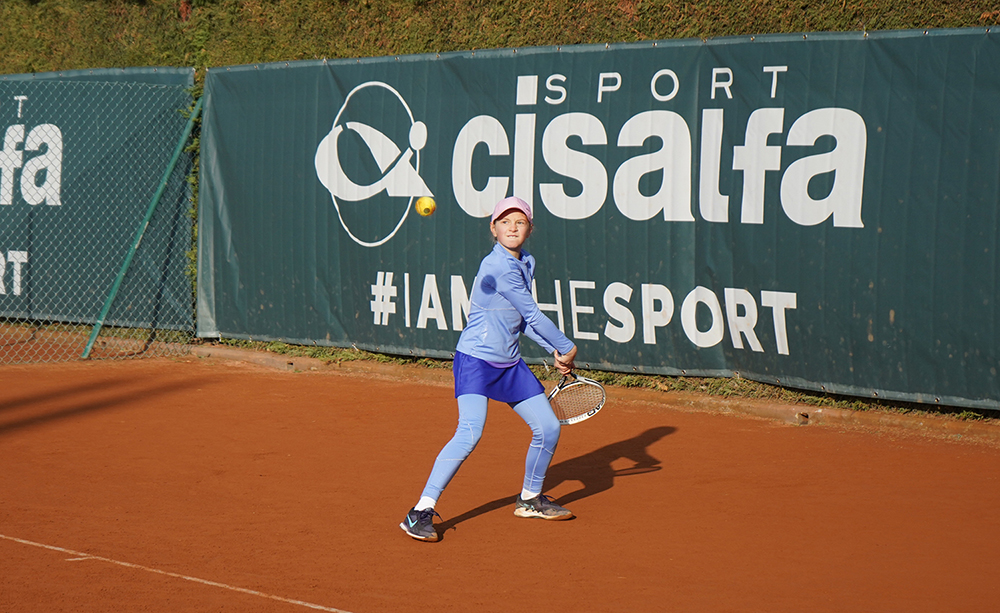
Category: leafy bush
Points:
column 52, row 35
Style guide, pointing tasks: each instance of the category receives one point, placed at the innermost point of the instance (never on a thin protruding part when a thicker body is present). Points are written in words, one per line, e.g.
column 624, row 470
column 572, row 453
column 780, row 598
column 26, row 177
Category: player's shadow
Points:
column 594, row 470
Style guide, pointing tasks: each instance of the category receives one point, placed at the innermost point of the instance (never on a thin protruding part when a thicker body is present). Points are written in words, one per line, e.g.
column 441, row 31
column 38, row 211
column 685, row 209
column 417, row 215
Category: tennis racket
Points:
column 576, row 398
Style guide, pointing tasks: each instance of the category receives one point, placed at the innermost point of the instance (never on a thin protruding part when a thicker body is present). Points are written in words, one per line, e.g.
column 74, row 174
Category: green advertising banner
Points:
column 82, row 154
column 818, row 211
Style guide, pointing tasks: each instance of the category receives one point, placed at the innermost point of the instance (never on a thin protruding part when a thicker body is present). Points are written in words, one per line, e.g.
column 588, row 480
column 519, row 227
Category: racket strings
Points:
column 578, row 399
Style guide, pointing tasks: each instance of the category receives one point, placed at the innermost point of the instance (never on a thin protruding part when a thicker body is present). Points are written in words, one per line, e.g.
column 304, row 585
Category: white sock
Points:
column 526, row 495
column 425, row 503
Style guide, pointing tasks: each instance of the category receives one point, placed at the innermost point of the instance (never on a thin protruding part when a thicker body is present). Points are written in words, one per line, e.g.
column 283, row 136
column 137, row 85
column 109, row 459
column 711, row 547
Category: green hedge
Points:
column 52, row 35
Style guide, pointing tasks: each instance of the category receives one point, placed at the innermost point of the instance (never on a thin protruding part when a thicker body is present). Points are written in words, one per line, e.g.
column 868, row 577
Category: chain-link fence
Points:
column 80, row 165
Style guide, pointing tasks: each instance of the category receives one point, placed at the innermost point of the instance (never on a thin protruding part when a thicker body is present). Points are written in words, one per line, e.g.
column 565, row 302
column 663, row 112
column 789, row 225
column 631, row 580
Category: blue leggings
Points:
column 535, row 411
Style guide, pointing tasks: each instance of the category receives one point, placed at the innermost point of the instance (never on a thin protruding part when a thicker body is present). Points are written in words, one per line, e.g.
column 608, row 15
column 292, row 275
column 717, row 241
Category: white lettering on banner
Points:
column 779, row 301
column 45, row 137
column 624, row 329
column 574, row 164
column 550, row 84
column 555, row 307
column 575, row 308
column 724, row 84
column 847, row 160
column 527, row 90
column 406, row 299
column 11, row 159
column 524, row 151
column 41, row 174
column 16, row 260
column 713, row 205
column 843, row 166
column 488, row 131
column 430, row 304
column 774, row 70
column 674, row 195
column 608, row 82
column 755, row 158
column 20, row 105
column 383, row 291
column 742, row 325
column 653, row 317
column 712, row 336
column 737, row 312
column 666, row 72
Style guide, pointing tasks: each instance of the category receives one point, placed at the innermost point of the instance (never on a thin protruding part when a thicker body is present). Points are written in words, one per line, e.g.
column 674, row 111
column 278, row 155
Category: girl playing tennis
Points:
column 488, row 365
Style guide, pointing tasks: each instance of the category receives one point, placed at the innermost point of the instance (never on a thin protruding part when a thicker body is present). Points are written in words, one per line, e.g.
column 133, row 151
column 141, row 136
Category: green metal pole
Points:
column 142, row 229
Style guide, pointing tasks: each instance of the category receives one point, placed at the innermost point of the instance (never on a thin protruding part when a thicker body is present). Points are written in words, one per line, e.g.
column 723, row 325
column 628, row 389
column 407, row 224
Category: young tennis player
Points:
column 488, row 365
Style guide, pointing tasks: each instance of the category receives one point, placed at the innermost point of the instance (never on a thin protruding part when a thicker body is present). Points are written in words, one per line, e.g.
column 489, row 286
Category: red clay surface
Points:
column 205, row 485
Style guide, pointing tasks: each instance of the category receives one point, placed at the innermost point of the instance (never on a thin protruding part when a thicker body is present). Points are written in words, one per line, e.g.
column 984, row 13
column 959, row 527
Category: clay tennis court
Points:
column 198, row 484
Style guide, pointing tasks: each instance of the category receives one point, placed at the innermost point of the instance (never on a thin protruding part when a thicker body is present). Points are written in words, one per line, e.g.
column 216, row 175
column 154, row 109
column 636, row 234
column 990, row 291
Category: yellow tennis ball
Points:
column 426, row 206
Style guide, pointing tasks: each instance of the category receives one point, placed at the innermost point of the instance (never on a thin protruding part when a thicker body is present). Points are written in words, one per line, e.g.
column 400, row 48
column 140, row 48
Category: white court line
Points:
column 242, row 590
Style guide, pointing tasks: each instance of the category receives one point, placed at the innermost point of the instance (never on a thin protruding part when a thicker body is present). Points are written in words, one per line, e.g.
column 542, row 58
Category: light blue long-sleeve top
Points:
column 502, row 307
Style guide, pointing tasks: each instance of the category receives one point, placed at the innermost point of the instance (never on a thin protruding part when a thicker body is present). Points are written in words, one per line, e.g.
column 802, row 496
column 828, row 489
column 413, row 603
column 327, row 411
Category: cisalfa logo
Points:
column 373, row 173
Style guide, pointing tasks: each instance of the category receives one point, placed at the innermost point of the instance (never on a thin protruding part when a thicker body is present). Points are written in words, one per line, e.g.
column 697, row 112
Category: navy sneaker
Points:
column 420, row 525
column 541, row 506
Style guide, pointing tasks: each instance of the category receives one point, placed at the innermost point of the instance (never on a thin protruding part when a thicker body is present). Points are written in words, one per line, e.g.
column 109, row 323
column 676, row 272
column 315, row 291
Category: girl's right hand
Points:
column 564, row 362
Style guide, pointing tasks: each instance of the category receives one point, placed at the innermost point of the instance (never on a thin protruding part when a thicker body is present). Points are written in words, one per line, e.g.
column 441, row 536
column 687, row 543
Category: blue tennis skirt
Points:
column 510, row 384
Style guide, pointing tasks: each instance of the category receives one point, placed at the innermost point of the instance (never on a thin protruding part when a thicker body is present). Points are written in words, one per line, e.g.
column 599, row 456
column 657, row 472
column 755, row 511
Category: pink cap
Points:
column 511, row 204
